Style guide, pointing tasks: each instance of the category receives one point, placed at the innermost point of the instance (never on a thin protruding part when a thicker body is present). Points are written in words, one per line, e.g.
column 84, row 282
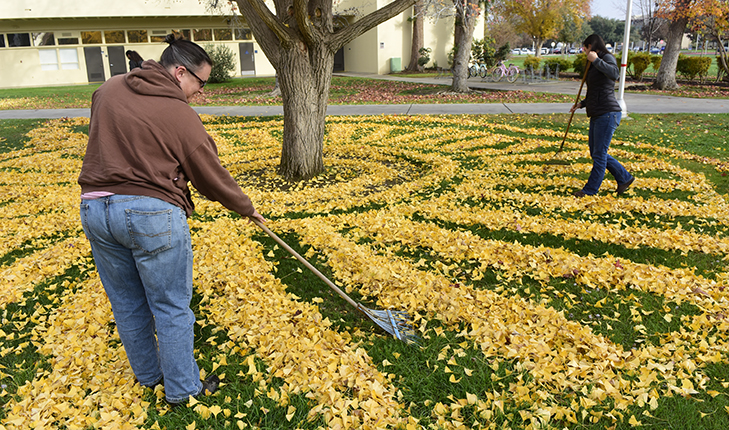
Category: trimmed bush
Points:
column 553, row 62
column 579, row 64
column 656, row 62
column 532, row 61
column 637, row 64
column 691, row 66
column 223, row 64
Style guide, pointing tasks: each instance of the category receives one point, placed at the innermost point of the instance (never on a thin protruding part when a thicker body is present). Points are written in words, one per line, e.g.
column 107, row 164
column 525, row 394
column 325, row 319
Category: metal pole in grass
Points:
column 624, row 61
column 397, row 323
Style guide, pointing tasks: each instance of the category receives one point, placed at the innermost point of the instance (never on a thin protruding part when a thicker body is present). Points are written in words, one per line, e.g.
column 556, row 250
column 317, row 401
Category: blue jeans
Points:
column 601, row 133
column 141, row 246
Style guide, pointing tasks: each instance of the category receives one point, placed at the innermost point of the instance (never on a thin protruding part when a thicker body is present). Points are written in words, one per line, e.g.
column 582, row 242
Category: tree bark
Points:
column 418, row 35
column 666, row 76
column 300, row 42
column 466, row 16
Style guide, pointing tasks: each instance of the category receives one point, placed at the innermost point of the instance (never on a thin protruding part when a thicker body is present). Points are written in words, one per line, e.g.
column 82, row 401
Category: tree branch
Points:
column 301, row 14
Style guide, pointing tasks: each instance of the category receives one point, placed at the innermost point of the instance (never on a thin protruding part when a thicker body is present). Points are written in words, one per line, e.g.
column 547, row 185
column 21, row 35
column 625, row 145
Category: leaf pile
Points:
column 535, row 309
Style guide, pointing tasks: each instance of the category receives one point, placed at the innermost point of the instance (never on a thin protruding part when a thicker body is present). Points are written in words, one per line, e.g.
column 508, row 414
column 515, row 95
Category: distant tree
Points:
column 678, row 13
column 418, row 34
column 539, row 20
column 606, row 28
column 714, row 25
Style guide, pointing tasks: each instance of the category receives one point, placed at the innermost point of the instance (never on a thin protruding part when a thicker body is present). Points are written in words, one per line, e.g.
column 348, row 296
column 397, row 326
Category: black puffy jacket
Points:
column 600, row 98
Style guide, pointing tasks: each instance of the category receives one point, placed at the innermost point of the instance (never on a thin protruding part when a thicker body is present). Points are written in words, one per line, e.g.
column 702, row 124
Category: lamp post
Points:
column 624, row 61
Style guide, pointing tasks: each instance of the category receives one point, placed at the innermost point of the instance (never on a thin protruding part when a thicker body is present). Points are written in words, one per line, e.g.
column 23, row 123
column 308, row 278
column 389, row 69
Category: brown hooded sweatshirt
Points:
column 144, row 139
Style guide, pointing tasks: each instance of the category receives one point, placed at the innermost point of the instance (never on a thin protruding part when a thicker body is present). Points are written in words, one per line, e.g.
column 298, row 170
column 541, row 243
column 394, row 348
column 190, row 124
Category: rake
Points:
column 577, row 100
column 397, row 323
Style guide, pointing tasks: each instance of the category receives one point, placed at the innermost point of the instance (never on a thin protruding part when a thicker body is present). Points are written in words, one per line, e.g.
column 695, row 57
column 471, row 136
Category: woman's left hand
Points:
column 591, row 56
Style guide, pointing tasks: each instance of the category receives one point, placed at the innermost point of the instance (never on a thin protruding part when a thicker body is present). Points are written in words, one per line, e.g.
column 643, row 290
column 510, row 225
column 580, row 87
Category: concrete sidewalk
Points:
column 636, row 103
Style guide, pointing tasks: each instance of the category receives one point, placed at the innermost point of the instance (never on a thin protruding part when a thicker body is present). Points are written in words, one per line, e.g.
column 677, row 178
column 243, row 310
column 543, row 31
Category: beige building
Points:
column 67, row 42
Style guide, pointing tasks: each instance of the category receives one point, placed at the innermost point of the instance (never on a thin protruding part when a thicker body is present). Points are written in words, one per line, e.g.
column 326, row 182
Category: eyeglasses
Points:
column 202, row 83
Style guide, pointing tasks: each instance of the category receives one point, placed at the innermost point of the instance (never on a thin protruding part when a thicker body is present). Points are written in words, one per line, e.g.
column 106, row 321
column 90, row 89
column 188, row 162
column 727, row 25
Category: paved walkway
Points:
column 636, row 103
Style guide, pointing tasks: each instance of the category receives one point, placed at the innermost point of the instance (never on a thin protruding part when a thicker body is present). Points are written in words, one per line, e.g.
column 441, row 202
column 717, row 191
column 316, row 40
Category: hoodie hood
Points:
column 154, row 80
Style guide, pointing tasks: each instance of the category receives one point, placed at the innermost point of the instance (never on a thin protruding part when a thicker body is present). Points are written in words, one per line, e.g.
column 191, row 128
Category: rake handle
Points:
column 305, row 263
column 569, row 123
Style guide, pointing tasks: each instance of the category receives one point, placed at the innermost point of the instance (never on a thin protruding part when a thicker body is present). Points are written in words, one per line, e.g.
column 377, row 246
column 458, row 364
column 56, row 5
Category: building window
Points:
column 158, row 36
column 69, row 58
column 204, row 35
column 2, row 40
column 91, row 37
column 18, row 39
column 243, row 34
column 116, row 36
column 137, row 36
column 223, row 34
column 43, row 39
column 48, row 59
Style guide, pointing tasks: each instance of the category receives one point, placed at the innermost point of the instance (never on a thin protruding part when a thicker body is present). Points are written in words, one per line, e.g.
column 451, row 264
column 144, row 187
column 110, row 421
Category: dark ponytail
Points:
column 182, row 52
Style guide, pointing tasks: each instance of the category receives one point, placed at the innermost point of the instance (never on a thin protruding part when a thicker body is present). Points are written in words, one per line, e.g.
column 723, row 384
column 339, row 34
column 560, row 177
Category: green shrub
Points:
column 563, row 63
column 579, row 64
column 656, row 62
column 690, row 66
column 424, row 56
column 532, row 61
column 637, row 64
column 223, row 63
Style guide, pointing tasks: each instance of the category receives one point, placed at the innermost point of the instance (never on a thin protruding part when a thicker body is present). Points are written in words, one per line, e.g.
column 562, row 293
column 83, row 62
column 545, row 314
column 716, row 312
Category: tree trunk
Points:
column 300, row 41
column 305, row 94
column 418, row 35
column 466, row 16
column 666, row 76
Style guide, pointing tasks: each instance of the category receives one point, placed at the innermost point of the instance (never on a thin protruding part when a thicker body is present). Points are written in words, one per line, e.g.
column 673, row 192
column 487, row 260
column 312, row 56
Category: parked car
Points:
column 545, row 51
column 557, row 51
column 527, row 51
column 572, row 51
column 655, row 50
column 516, row 51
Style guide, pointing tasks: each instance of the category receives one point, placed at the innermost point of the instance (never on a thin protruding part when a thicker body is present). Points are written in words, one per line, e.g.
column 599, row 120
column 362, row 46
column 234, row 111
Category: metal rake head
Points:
column 397, row 323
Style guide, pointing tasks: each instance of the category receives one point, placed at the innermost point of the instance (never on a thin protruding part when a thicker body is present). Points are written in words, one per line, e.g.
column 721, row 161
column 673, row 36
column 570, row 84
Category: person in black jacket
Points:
column 604, row 113
column 135, row 60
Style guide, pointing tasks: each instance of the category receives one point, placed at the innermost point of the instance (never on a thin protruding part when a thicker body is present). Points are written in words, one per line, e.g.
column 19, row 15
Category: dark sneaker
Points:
column 579, row 194
column 209, row 386
column 623, row 188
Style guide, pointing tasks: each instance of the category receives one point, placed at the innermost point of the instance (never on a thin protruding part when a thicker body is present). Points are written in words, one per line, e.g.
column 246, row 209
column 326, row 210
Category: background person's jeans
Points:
column 601, row 133
column 141, row 246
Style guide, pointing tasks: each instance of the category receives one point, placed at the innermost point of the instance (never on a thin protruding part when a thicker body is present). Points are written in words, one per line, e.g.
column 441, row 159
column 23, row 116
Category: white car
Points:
column 526, row 51
column 545, row 51
column 515, row 52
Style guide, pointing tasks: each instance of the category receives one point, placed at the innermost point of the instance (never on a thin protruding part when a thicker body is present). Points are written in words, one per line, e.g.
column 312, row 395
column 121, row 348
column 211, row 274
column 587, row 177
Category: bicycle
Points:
column 511, row 72
column 479, row 70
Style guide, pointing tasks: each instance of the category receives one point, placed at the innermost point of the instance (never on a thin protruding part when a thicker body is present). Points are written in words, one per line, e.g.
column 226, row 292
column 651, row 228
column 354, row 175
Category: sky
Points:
column 610, row 8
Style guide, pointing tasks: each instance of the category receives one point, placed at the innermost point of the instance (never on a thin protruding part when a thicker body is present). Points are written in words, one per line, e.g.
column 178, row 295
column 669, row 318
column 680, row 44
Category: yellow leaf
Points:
column 634, row 422
column 290, row 413
column 191, row 426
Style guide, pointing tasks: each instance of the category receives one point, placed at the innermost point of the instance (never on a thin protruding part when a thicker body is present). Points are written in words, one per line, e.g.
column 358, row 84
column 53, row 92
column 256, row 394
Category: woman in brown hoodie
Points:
column 145, row 144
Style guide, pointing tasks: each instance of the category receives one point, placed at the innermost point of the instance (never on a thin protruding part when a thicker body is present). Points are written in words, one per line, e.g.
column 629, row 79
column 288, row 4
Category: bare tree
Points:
column 299, row 39
column 467, row 13
column 418, row 34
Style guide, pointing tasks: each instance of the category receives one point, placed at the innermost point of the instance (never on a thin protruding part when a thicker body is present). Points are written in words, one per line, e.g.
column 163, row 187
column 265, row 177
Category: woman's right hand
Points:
column 576, row 106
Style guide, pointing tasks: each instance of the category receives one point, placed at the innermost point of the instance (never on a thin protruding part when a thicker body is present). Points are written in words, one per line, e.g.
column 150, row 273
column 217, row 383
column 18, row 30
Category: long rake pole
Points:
column 577, row 100
column 393, row 322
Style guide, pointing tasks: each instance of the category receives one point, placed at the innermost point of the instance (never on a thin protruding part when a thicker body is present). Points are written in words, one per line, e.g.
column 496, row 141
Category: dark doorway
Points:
column 94, row 64
column 117, row 60
column 339, row 61
column 247, row 59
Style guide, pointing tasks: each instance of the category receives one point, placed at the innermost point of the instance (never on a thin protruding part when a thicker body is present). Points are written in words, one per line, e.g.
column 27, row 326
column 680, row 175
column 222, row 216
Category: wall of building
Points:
column 45, row 42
